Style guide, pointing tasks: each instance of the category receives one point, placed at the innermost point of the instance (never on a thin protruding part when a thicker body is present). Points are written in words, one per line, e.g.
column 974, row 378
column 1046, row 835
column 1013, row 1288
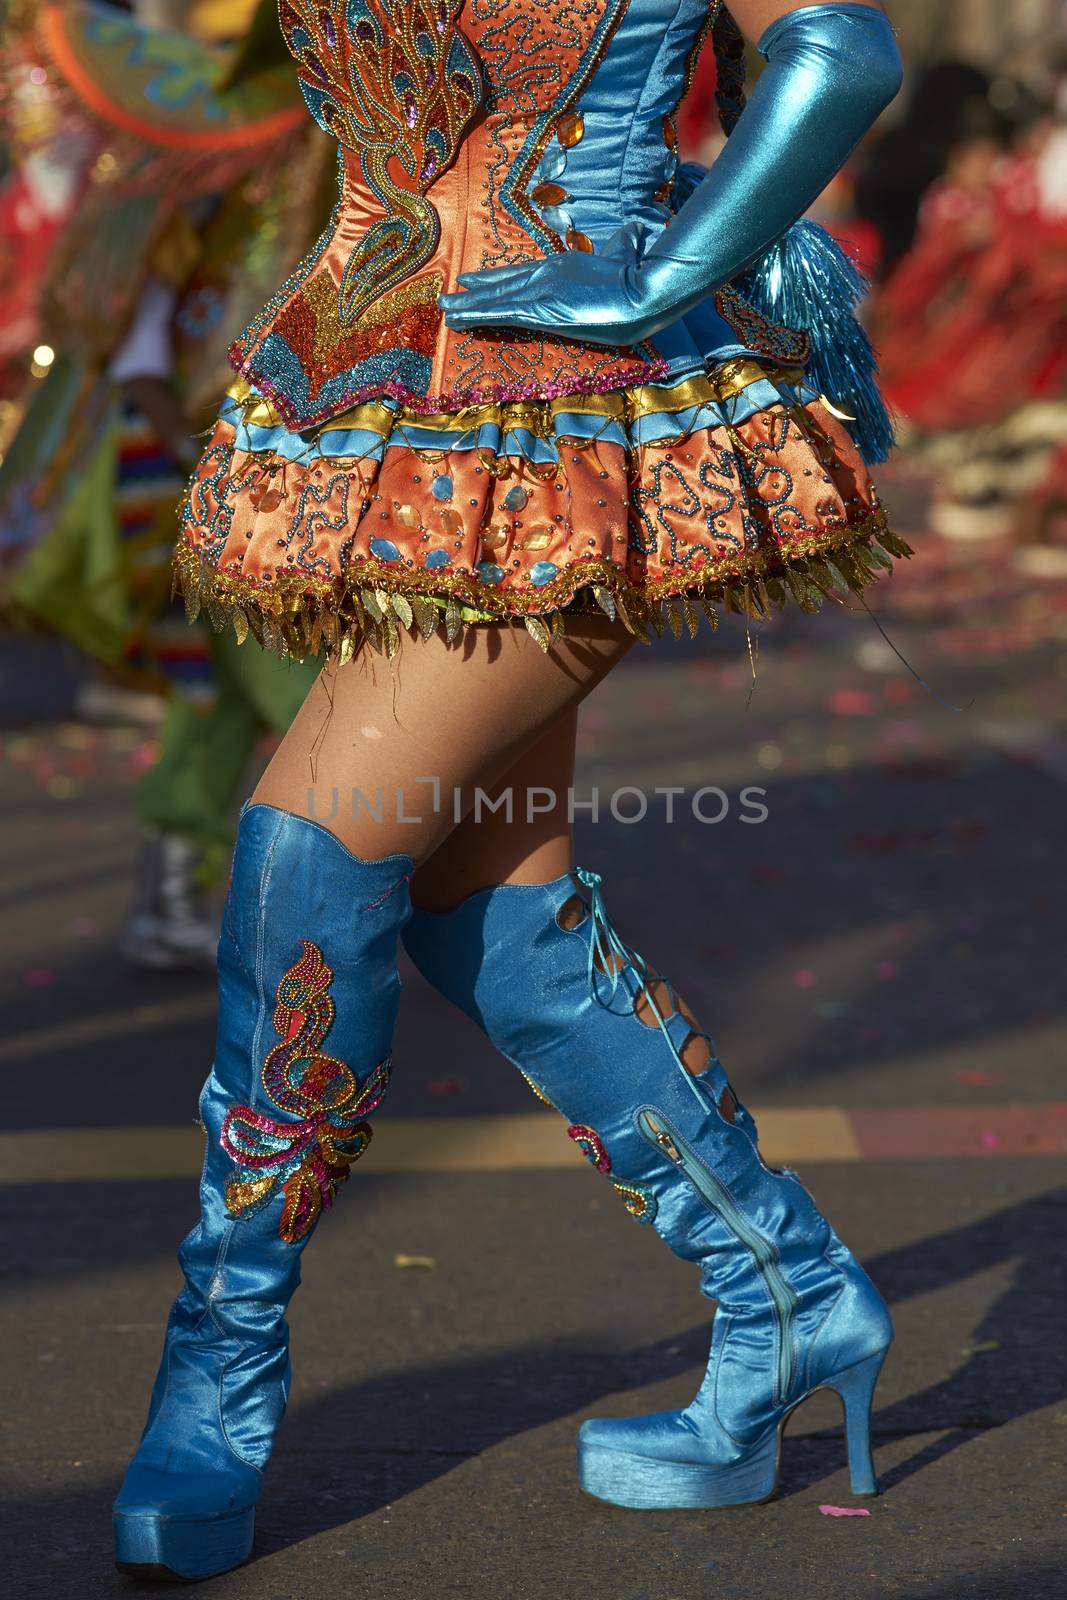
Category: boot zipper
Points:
column 659, row 1132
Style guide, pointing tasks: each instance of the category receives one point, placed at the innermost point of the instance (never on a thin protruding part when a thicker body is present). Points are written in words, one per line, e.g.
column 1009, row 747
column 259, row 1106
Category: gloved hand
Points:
column 830, row 70
column 603, row 292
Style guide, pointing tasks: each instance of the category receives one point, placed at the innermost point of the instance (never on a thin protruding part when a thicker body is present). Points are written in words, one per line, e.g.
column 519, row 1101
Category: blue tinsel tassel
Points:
column 805, row 280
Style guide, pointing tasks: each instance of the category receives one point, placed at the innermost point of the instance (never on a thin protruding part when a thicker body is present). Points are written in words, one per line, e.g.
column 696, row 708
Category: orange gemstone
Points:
column 408, row 517
column 539, row 539
column 670, row 133
column 270, row 501
column 496, row 536
column 578, row 241
column 548, row 194
column 451, row 522
column 571, row 130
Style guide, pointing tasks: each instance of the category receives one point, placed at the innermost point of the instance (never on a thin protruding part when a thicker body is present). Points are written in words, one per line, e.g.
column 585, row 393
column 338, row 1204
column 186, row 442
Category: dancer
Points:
column 526, row 400
column 979, row 303
column 167, row 253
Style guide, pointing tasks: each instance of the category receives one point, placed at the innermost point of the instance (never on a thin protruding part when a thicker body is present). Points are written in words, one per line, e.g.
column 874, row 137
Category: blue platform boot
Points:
column 307, row 964
column 597, row 1035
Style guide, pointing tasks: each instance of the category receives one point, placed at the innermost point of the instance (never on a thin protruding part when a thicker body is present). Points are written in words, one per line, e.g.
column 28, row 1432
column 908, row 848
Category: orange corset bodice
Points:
column 473, row 134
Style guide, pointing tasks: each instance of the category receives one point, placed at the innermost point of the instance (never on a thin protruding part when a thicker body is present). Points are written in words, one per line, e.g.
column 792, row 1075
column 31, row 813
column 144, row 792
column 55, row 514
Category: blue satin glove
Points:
column 831, row 69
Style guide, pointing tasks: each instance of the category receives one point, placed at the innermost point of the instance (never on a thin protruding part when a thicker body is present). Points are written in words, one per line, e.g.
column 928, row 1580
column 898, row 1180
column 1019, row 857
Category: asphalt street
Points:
column 882, row 963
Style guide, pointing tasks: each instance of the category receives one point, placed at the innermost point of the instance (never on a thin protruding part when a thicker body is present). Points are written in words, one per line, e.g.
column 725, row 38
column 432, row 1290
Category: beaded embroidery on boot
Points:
column 311, row 1157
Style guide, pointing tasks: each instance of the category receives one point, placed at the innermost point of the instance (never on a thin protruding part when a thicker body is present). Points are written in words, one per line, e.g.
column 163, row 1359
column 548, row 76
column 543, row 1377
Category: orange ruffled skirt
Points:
column 738, row 487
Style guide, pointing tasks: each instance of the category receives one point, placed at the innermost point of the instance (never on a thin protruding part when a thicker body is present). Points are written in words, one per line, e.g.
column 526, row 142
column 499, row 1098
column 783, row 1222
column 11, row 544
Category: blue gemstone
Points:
column 542, row 572
column 384, row 549
column 438, row 558
column 553, row 162
column 557, row 218
column 515, row 498
column 441, row 488
column 489, row 572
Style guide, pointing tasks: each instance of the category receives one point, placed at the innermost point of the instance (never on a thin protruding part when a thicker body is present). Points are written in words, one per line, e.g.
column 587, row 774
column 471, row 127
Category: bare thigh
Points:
column 389, row 754
column 377, row 742
column 529, row 839
column 524, row 835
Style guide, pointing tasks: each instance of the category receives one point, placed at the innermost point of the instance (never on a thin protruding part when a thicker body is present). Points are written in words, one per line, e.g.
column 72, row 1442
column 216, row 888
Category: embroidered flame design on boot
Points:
column 309, row 1158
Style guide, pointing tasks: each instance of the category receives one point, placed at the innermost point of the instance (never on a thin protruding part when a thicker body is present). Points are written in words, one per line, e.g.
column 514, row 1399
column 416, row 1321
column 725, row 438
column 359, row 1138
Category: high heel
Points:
column 562, row 997
column 626, row 1478
column 856, row 1387
column 307, row 961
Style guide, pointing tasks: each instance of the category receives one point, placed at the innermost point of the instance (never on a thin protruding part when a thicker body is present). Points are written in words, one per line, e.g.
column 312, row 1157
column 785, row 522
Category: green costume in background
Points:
column 170, row 249
column 204, row 753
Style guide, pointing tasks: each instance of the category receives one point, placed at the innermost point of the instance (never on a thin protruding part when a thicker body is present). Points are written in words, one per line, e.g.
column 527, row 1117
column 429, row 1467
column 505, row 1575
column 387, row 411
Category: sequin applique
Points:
column 397, row 85
column 589, row 1143
column 316, row 357
column 787, row 345
column 639, row 1200
column 513, row 191
column 538, row 1091
column 310, row 1157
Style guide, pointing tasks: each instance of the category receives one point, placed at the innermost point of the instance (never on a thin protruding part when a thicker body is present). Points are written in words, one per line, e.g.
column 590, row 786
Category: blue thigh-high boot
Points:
column 307, row 965
column 543, row 972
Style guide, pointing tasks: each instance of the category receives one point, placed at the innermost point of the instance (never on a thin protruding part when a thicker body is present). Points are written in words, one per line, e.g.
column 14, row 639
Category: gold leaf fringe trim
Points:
column 301, row 616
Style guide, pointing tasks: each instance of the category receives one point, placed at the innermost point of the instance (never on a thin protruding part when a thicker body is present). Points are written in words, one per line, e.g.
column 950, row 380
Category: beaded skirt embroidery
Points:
column 371, row 468
column 643, row 503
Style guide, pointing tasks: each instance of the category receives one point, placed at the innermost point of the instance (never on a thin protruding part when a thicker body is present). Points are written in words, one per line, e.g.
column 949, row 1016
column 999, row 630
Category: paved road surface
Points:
column 882, row 961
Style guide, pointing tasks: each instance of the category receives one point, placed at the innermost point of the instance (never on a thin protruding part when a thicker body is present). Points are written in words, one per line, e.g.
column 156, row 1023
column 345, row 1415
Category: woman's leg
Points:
column 535, row 961
column 529, row 842
column 388, row 754
column 307, row 1003
column 535, row 844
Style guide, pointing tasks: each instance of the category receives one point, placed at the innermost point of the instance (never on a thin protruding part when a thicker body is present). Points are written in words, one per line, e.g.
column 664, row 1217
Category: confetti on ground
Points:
column 38, row 977
column 804, row 978
column 844, row 1511
column 442, row 1086
column 414, row 1261
column 982, row 1349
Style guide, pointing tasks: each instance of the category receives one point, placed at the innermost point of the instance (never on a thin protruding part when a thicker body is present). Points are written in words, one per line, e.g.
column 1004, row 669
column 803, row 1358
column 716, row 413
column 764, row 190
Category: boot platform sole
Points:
column 152, row 1572
column 174, row 1550
column 626, row 1478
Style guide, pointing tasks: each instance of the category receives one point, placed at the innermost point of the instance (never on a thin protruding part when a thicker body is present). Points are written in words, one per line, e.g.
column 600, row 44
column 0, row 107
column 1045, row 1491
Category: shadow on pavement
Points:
column 1023, row 1366
column 358, row 1449
column 1023, row 1580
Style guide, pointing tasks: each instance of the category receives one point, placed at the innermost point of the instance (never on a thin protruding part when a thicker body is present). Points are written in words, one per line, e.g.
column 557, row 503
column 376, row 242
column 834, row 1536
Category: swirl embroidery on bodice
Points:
column 397, row 83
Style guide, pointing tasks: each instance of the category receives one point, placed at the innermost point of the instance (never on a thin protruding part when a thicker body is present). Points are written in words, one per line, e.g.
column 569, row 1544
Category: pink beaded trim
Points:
column 591, row 1145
